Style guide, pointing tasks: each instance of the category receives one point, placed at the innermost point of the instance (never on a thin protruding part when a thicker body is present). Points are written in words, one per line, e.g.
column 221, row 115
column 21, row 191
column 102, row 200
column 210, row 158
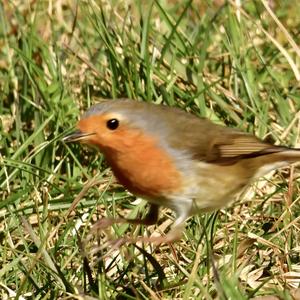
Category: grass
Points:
column 237, row 65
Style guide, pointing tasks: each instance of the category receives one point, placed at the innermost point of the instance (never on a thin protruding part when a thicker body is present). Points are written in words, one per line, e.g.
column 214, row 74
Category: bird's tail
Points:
column 276, row 157
column 287, row 154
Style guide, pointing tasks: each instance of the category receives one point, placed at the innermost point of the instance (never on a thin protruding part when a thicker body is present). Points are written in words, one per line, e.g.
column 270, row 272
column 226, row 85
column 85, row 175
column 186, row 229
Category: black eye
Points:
column 112, row 124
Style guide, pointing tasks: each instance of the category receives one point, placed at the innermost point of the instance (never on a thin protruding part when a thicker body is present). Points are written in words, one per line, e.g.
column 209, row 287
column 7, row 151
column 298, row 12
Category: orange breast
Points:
column 142, row 167
column 136, row 159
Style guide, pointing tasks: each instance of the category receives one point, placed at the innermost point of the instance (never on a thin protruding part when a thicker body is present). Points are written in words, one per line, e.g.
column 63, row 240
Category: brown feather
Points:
column 199, row 137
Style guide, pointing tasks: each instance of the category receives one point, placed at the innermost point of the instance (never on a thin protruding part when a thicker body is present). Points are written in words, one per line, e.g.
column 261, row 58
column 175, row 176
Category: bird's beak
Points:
column 76, row 136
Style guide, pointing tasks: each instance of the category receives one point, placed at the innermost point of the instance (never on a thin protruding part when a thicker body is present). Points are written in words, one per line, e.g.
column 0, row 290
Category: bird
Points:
column 175, row 159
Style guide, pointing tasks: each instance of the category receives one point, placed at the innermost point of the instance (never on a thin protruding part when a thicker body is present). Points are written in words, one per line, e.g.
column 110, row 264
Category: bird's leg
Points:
column 178, row 226
column 173, row 235
column 150, row 219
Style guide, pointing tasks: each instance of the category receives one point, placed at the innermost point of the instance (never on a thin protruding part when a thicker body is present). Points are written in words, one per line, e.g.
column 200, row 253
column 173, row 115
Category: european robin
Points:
column 174, row 159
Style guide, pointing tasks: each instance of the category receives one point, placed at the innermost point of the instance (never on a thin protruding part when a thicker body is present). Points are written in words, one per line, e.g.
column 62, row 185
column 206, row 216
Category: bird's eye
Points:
column 112, row 124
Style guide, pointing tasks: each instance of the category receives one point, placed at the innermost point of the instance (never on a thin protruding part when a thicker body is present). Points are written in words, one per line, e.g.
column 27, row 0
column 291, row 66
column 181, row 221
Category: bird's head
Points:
column 115, row 125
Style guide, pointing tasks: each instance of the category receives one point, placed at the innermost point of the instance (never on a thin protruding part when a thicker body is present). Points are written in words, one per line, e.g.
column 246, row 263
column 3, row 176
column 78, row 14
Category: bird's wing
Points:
column 213, row 143
column 229, row 148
